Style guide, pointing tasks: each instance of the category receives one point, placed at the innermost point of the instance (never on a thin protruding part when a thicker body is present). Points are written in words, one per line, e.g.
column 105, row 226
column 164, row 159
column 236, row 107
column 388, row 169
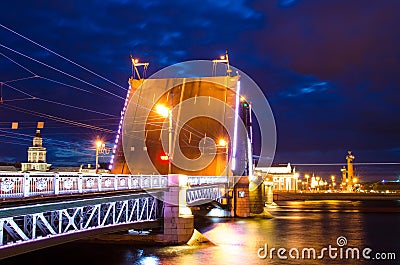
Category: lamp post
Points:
column 167, row 113
column 99, row 144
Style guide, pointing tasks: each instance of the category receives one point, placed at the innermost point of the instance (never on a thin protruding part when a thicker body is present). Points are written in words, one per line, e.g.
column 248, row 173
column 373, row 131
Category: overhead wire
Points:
column 59, row 55
column 17, row 99
column 15, row 137
column 28, row 136
column 67, row 85
column 51, row 101
column 200, row 135
column 53, row 124
column 59, row 103
column 19, row 79
column 60, row 71
column 13, row 143
column 48, row 143
column 31, row 97
column 23, row 67
column 56, row 118
column 41, row 77
column 42, row 99
column 76, row 149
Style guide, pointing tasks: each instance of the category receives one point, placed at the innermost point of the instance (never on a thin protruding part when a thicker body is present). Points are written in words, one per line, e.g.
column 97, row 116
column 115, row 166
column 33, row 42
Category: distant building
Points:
column 36, row 156
column 387, row 186
column 284, row 178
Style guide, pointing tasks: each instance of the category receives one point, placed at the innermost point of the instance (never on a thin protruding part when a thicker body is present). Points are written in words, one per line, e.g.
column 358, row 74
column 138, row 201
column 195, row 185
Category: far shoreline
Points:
column 355, row 196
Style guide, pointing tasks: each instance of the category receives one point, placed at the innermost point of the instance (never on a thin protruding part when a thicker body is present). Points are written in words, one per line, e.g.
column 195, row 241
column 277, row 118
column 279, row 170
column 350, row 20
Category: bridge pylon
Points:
column 178, row 218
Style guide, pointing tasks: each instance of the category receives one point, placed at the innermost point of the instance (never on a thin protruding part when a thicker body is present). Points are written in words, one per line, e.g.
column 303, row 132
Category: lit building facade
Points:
column 284, row 178
column 36, row 156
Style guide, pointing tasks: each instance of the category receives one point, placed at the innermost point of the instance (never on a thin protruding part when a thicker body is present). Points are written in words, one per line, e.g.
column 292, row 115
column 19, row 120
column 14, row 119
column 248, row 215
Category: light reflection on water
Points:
column 296, row 225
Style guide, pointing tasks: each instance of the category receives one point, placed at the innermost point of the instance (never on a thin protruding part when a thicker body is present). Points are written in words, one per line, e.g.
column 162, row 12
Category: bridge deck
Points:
column 29, row 227
column 43, row 209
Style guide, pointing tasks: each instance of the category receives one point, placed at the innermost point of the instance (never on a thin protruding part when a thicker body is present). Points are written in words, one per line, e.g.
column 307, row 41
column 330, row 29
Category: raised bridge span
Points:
column 44, row 209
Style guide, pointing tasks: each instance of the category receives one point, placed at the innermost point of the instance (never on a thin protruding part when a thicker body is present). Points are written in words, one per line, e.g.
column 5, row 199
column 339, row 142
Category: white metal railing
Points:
column 20, row 185
column 207, row 180
column 40, row 224
column 200, row 194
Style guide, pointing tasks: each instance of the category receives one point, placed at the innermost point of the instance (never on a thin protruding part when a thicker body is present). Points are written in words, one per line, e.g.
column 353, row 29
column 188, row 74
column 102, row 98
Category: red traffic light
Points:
column 164, row 158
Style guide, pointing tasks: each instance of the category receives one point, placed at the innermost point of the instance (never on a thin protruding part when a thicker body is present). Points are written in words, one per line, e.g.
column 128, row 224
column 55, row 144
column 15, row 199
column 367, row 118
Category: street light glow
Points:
column 222, row 142
column 99, row 143
column 162, row 110
column 166, row 112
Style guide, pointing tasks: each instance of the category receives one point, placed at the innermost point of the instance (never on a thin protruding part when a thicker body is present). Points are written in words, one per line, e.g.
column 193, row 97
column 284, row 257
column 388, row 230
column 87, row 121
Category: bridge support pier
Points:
column 241, row 198
column 178, row 218
column 257, row 197
column 270, row 193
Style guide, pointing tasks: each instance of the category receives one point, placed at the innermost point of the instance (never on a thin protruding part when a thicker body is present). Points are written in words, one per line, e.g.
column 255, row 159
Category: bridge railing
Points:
column 20, row 185
column 207, row 180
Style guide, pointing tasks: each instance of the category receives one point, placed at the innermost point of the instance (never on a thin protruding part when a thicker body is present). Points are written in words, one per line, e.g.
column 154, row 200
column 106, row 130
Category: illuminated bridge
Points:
column 38, row 210
column 44, row 209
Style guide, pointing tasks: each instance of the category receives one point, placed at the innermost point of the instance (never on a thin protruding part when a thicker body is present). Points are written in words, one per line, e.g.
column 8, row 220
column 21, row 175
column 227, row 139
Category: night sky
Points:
column 329, row 69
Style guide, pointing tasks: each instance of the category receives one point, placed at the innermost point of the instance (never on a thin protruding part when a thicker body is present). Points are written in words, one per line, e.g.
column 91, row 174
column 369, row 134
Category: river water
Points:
column 297, row 226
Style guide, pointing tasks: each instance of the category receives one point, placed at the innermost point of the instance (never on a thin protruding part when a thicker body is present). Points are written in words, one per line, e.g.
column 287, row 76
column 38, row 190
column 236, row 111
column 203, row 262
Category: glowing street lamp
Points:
column 162, row 110
column 166, row 112
column 99, row 144
column 222, row 142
